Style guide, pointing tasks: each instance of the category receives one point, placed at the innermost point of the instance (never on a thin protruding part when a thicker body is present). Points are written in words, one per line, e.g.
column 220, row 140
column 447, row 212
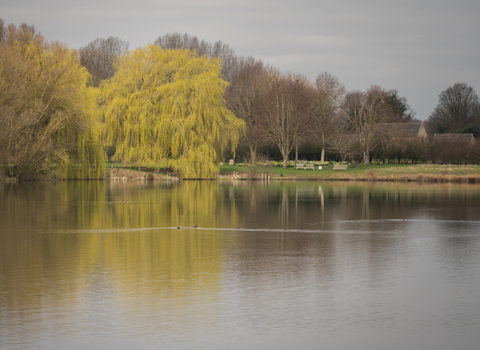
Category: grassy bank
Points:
column 374, row 172
column 116, row 171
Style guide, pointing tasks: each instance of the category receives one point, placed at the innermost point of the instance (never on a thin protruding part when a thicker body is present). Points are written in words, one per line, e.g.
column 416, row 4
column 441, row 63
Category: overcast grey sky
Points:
column 419, row 47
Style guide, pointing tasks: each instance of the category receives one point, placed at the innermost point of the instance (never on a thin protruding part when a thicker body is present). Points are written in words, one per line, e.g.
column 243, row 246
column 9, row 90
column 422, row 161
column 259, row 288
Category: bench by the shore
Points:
column 308, row 166
column 340, row 167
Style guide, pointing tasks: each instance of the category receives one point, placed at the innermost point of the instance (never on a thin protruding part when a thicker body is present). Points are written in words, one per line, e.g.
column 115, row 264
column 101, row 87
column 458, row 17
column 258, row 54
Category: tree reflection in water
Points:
column 293, row 257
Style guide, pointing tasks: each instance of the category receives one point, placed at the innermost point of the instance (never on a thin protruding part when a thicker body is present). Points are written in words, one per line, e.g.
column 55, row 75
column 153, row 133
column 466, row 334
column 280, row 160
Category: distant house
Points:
column 454, row 138
column 396, row 131
column 401, row 140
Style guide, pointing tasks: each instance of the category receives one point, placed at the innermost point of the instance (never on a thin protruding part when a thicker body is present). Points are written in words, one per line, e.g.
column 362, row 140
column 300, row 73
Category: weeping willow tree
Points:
column 46, row 110
column 167, row 107
column 86, row 159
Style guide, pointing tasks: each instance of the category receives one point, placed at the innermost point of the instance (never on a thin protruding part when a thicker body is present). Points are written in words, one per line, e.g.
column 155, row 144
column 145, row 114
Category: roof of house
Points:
column 401, row 130
column 454, row 137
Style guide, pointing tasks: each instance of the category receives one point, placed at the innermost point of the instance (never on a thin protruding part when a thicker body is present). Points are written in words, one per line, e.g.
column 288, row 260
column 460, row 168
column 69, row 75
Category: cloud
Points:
column 419, row 47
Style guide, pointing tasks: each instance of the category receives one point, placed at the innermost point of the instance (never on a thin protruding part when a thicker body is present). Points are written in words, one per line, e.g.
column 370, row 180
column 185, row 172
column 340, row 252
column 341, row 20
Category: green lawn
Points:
column 381, row 172
column 392, row 172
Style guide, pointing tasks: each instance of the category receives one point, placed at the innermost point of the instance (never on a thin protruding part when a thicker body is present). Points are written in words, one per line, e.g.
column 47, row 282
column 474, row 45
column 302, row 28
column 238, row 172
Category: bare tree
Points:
column 23, row 35
column 217, row 50
column 245, row 97
column 284, row 112
column 99, row 57
column 228, row 58
column 458, row 107
column 363, row 110
column 345, row 144
column 327, row 97
column 3, row 31
column 176, row 40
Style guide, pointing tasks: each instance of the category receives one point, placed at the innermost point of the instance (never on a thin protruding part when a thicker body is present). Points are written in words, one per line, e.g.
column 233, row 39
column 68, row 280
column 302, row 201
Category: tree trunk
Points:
column 366, row 157
column 6, row 171
column 253, row 155
column 322, row 158
column 285, row 160
column 296, row 154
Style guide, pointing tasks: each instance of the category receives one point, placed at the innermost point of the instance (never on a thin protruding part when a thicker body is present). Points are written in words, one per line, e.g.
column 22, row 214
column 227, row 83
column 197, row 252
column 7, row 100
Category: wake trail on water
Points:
column 265, row 230
column 115, row 230
column 408, row 220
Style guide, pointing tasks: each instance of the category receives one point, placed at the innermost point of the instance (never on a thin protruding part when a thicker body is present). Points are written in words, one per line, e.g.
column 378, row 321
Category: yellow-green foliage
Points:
column 46, row 110
column 87, row 159
column 167, row 106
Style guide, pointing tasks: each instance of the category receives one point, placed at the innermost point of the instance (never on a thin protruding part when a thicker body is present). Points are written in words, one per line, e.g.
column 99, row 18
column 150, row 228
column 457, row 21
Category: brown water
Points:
column 296, row 265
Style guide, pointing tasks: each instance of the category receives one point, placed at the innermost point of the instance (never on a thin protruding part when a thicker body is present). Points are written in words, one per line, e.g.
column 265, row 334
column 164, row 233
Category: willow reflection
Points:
column 81, row 238
column 78, row 238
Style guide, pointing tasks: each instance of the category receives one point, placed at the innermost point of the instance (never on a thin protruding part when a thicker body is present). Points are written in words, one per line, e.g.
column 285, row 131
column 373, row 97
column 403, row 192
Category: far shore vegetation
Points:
column 428, row 173
column 360, row 172
column 181, row 108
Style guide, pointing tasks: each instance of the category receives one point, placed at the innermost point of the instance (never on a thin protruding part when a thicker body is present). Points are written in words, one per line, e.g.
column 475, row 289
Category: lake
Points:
column 271, row 265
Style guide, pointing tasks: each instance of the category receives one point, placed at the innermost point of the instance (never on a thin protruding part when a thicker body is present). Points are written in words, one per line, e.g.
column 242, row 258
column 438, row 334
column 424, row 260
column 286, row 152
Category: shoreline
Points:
column 419, row 173
column 462, row 174
column 424, row 178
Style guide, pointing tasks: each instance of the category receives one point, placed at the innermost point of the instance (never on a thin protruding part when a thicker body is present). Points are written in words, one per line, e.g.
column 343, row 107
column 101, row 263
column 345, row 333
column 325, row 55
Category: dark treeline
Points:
column 288, row 116
column 285, row 113
column 55, row 114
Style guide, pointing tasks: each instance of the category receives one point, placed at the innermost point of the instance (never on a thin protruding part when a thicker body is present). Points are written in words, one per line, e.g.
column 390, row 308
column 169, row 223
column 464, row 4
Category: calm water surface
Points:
column 297, row 265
